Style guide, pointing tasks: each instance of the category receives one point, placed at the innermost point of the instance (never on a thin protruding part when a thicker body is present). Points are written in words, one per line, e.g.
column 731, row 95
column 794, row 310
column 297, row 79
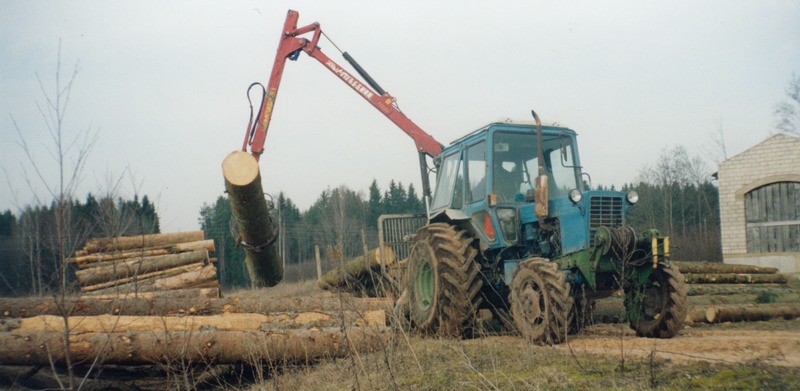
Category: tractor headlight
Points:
column 575, row 196
column 506, row 214
column 508, row 223
column 632, row 197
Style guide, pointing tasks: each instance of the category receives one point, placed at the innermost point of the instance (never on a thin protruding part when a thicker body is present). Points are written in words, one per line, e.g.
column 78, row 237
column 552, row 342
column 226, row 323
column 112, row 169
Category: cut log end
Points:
column 711, row 314
column 240, row 168
column 252, row 215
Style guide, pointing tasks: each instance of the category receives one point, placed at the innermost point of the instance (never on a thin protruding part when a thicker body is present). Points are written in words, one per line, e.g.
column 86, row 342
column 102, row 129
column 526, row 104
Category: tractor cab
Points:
column 489, row 178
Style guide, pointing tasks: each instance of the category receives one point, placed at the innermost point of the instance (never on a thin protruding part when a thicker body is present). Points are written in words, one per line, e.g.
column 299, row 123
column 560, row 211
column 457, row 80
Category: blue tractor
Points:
column 514, row 229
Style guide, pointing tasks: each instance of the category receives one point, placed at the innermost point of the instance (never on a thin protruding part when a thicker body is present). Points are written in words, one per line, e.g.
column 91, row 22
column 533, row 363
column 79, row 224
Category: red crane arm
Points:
column 289, row 48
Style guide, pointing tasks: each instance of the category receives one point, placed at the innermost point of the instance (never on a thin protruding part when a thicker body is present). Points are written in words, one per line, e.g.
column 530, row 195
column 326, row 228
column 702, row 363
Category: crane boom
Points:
column 290, row 45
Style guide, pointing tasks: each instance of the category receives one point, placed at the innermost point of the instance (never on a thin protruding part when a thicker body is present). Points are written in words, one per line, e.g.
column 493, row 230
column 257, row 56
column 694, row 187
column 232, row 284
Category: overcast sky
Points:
column 164, row 82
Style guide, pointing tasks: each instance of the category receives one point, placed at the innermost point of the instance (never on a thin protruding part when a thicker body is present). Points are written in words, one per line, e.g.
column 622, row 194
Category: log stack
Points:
column 195, row 330
column 169, row 264
column 721, row 278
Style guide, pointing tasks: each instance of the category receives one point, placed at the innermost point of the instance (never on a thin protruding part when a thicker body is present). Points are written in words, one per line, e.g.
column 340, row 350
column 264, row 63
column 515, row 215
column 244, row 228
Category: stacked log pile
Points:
column 709, row 278
column 190, row 330
column 722, row 273
column 170, row 264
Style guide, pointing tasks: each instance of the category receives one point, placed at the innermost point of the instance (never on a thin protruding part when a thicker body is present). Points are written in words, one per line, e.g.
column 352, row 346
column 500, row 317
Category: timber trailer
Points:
column 511, row 228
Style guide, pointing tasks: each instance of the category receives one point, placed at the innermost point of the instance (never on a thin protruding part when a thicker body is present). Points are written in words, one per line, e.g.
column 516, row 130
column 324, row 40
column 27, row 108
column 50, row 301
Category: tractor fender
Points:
column 453, row 216
column 461, row 220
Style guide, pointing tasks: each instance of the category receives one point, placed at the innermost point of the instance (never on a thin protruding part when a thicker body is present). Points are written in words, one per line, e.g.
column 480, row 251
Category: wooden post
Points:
column 319, row 262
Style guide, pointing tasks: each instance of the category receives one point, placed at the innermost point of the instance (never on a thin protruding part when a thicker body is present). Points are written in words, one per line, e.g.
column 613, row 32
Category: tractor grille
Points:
column 604, row 212
column 396, row 231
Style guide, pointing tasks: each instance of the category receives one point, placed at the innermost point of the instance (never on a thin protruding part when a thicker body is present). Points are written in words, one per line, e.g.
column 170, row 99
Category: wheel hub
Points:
column 424, row 285
column 653, row 301
column 533, row 305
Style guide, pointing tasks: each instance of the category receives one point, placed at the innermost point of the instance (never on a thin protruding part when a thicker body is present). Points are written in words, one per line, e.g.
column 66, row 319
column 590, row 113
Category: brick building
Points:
column 759, row 197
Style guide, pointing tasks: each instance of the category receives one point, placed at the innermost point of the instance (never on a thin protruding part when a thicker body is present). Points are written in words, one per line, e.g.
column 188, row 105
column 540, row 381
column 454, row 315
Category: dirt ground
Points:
column 774, row 343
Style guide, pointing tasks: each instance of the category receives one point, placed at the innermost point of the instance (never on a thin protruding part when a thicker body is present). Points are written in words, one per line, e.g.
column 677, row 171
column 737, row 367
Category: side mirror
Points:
column 540, row 197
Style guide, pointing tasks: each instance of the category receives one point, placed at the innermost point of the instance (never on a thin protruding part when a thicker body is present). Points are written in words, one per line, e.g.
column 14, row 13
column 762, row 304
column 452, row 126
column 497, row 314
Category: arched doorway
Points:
column 772, row 216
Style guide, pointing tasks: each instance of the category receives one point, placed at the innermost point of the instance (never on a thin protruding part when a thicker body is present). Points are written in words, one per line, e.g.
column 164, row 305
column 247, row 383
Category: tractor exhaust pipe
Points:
column 540, row 191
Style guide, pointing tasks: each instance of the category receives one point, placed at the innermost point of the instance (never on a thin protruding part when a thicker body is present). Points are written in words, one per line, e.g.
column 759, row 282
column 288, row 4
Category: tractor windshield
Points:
column 515, row 165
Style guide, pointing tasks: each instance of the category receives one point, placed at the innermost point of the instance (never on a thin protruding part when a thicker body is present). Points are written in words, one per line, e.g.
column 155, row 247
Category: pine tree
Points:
column 394, row 199
column 7, row 223
column 375, row 207
column 413, row 203
column 215, row 220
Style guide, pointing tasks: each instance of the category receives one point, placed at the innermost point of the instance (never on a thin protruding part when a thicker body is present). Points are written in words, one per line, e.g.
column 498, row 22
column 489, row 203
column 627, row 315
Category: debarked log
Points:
column 750, row 313
column 189, row 347
column 696, row 314
column 198, row 277
column 733, row 278
column 89, row 305
column 138, row 266
column 228, row 322
column 142, row 278
column 193, row 293
column 104, row 259
column 739, row 289
column 250, row 212
column 714, row 267
column 140, row 241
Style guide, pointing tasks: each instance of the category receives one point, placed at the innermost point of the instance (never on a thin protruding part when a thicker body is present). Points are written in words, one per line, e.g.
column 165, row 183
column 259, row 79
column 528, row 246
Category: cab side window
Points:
column 476, row 172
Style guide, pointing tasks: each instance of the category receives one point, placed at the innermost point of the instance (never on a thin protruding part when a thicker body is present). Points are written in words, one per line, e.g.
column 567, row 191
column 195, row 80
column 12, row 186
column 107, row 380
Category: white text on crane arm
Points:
column 360, row 88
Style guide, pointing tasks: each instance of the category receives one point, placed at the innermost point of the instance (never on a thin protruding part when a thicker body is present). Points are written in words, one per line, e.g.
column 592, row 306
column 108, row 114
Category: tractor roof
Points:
column 513, row 126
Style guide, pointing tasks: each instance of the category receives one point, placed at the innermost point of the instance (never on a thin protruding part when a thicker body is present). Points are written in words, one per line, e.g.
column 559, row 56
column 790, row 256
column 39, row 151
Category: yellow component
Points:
column 666, row 247
column 655, row 252
column 273, row 93
column 388, row 102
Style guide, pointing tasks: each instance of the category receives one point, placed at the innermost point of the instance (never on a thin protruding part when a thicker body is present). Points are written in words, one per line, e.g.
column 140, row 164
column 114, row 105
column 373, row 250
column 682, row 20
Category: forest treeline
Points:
column 675, row 197
column 31, row 248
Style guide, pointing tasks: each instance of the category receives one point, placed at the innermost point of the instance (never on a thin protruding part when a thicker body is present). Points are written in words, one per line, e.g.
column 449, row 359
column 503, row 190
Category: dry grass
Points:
column 506, row 363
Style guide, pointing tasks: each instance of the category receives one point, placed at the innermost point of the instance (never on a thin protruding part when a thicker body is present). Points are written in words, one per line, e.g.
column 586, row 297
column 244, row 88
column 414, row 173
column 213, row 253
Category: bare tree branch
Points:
column 788, row 111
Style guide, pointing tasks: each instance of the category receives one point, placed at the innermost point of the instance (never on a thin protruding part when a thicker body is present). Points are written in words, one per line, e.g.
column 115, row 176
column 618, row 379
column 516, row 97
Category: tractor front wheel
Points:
column 658, row 307
column 540, row 301
column 443, row 281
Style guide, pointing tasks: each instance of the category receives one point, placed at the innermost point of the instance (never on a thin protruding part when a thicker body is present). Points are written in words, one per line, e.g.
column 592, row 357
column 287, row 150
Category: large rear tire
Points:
column 540, row 302
column 443, row 281
column 661, row 304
